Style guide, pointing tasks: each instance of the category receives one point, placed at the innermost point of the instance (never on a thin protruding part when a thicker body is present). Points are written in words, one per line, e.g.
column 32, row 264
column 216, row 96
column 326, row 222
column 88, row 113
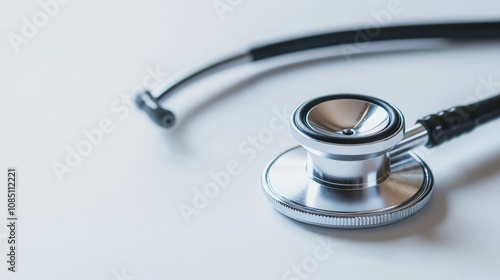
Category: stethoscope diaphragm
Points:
column 343, row 175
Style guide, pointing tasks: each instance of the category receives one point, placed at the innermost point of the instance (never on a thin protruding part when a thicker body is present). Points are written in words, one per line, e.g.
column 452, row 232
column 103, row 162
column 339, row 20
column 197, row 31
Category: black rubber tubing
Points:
column 458, row 31
column 456, row 121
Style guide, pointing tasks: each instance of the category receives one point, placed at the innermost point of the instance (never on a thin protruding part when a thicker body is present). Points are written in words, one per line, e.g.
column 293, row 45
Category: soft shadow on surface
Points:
column 422, row 223
column 468, row 178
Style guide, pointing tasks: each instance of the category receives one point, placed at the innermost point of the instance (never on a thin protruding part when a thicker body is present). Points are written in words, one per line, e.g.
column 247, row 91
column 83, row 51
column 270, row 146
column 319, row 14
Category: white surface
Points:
column 117, row 213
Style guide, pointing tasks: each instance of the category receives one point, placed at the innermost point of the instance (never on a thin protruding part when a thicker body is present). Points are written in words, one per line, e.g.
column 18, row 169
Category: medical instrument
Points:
column 354, row 167
column 472, row 31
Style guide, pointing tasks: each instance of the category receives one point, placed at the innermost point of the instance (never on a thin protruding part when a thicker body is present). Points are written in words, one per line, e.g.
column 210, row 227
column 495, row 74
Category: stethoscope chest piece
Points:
column 343, row 174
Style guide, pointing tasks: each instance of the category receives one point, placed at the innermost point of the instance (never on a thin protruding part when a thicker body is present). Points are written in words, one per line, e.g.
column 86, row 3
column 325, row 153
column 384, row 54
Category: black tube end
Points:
column 159, row 115
column 165, row 117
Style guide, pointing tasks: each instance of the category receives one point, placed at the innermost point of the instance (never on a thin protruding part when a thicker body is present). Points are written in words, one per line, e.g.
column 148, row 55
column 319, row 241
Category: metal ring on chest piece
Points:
column 343, row 175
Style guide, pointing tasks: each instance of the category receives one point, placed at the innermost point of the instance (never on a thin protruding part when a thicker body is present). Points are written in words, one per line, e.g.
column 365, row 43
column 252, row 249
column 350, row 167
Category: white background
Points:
column 116, row 215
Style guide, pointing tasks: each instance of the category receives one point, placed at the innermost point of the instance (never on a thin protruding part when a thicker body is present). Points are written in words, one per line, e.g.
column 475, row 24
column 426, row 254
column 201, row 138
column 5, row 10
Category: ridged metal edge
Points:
column 349, row 222
column 343, row 220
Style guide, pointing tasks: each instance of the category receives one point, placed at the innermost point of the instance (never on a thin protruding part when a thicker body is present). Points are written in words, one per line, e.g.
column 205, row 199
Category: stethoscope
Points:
column 354, row 167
